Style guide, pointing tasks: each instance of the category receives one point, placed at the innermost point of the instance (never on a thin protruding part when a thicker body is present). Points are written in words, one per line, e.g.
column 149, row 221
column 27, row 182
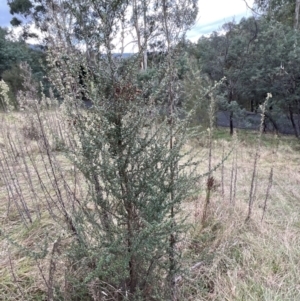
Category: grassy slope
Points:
column 234, row 260
column 259, row 260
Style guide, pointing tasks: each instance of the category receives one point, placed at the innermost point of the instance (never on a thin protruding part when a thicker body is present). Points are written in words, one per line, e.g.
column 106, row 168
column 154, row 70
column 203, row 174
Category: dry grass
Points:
column 31, row 209
column 230, row 259
column 258, row 260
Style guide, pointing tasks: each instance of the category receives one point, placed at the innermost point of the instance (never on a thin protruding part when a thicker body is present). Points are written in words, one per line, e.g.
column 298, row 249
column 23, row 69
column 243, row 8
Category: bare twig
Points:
column 252, row 193
column 270, row 183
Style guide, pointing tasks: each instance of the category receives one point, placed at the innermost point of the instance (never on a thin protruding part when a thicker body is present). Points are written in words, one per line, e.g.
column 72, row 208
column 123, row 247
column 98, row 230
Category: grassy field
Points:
column 257, row 260
column 225, row 258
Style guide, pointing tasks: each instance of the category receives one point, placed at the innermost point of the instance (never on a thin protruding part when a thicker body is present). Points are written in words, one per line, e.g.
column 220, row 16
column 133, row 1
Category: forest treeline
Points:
column 14, row 52
column 251, row 58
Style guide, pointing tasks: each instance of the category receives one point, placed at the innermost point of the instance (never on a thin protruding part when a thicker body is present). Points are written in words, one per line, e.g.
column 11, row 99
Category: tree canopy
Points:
column 12, row 53
column 255, row 57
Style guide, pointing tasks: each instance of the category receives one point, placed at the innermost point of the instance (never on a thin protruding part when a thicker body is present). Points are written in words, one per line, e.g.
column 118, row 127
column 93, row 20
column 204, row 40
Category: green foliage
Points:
column 13, row 77
column 126, row 227
column 12, row 53
column 224, row 57
column 136, row 186
column 197, row 87
column 255, row 57
column 20, row 6
column 282, row 11
column 26, row 8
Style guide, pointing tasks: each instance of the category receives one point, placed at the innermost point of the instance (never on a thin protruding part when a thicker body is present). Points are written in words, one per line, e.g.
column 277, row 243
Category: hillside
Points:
column 224, row 257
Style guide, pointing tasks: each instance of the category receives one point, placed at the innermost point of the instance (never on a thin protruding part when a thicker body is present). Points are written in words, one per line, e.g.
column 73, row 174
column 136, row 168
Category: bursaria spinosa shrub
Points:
column 126, row 142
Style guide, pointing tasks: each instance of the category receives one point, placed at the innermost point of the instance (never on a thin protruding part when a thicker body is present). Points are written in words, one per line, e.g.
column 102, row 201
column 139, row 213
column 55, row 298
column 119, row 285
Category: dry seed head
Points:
column 210, row 183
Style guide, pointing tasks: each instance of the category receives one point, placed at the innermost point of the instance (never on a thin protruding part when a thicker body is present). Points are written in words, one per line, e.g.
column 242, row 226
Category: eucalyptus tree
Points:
column 256, row 57
column 12, row 53
column 144, row 23
column 280, row 55
column 225, row 56
column 284, row 11
column 273, row 69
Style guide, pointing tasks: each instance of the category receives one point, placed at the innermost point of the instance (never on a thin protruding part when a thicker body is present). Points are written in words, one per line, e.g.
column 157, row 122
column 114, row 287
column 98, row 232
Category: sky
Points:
column 212, row 15
column 5, row 16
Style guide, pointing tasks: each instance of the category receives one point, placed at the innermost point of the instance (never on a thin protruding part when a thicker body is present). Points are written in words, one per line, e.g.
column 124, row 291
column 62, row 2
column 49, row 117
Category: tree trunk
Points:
column 231, row 123
column 298, row 114
column 137, row 29
column 273, row 122
column 297, row 8
column 252, row 105
column 293, row 122
column 145, row 35
column 231, row 113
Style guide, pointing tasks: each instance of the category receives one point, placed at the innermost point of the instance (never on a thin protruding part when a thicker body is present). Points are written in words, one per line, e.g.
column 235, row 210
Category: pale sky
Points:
column 212, row 15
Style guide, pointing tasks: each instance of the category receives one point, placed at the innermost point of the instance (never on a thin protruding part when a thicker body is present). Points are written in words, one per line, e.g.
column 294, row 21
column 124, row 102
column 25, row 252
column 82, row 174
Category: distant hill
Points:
column 38, row 47
column 124, row 55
